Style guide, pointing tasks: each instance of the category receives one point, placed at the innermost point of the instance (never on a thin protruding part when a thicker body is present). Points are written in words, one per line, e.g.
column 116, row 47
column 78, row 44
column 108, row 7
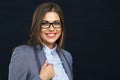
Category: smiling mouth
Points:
column 51, row 35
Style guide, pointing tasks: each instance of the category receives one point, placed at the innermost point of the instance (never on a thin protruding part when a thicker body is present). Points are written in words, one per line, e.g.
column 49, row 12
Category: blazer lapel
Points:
column 41, row 55
column 65, row 64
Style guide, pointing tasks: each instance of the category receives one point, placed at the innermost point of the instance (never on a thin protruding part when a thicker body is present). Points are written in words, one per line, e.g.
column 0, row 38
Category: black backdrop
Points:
column 89, row 35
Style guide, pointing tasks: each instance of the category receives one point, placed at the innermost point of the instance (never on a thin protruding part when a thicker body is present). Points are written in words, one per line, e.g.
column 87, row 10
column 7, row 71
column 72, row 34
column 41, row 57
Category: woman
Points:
column 43, row 57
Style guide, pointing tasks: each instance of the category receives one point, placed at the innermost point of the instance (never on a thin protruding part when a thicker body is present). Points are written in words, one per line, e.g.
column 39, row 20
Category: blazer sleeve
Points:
column 18, row 69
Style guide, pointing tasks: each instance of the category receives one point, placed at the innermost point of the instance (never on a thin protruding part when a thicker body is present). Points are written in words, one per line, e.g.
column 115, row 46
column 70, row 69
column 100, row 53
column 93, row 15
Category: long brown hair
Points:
column 39, row 13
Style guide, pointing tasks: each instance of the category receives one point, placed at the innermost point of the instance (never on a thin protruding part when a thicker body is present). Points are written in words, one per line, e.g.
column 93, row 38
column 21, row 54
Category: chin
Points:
column 51, row 42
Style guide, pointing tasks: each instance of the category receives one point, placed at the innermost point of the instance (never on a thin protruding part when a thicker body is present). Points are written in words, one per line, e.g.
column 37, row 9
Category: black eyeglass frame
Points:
column 49, row 24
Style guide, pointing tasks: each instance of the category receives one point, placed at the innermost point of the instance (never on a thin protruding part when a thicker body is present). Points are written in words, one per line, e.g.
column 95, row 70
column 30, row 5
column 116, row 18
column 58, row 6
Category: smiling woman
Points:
column 43, row 58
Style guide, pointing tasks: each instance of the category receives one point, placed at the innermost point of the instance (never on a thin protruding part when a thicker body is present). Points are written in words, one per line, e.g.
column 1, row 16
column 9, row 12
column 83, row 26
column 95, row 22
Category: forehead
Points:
column 51, row 16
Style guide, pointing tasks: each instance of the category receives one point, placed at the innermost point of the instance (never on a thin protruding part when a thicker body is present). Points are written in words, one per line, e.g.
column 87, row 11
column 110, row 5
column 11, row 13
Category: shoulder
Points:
column 67, row 54
column 21, row 52
column 22, row 49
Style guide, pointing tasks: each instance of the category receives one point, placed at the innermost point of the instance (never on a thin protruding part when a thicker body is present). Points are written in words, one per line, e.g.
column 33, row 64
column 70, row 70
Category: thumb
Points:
column 45, row 64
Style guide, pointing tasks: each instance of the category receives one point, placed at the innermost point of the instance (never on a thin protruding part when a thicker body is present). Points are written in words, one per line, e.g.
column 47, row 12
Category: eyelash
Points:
column 46, row 22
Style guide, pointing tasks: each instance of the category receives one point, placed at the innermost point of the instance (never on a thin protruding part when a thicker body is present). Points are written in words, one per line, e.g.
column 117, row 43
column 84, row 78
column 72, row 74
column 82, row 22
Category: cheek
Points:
column 59, row 31
column 42, row 33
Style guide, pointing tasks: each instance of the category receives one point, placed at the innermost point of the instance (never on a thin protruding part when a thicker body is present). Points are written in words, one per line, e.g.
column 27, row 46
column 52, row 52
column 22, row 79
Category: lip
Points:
column 51, row 35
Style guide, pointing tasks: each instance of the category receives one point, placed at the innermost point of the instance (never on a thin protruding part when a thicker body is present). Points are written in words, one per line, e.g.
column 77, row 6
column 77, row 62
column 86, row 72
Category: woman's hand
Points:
column 46, row 72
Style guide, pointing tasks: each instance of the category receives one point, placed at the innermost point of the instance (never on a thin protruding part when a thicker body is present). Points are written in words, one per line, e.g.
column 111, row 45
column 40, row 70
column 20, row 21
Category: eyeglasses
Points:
column 46, row 24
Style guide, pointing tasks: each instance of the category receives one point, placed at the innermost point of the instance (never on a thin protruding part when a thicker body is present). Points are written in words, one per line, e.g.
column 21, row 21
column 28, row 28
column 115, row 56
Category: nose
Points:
column 51, row 28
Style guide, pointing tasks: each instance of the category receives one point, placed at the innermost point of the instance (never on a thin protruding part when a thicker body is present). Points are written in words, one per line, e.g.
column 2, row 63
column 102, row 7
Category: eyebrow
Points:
column 53, row 21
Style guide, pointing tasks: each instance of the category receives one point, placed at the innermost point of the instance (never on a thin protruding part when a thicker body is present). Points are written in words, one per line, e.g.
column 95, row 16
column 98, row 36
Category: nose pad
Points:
column 51, row 28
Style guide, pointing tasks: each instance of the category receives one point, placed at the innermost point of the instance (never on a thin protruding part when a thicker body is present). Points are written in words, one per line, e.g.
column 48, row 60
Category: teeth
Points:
column 51, row 35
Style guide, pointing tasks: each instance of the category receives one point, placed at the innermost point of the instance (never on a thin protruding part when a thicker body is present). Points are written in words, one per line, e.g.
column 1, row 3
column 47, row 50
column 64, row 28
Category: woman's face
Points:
column 52, row 33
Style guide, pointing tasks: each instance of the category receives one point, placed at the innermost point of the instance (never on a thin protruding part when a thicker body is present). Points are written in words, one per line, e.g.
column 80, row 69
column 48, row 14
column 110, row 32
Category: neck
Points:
column 51, row 46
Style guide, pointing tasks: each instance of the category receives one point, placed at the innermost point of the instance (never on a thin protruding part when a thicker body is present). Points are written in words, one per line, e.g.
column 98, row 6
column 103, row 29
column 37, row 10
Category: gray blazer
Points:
column 23, row 64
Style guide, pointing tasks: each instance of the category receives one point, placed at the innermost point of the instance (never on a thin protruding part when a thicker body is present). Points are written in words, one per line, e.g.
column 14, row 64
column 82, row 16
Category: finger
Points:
column 50, row 66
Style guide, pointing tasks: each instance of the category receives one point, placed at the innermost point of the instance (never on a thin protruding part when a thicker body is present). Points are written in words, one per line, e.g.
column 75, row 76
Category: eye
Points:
column 44, row 23
column 57, row 23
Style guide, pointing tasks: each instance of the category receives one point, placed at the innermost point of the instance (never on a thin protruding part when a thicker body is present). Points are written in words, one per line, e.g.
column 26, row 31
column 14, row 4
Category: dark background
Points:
column 89, row 35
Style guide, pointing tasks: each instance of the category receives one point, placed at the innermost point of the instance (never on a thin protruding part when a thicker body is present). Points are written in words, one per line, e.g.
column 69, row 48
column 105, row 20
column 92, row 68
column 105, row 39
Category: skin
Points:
column 49, row 37
column 46, row 72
